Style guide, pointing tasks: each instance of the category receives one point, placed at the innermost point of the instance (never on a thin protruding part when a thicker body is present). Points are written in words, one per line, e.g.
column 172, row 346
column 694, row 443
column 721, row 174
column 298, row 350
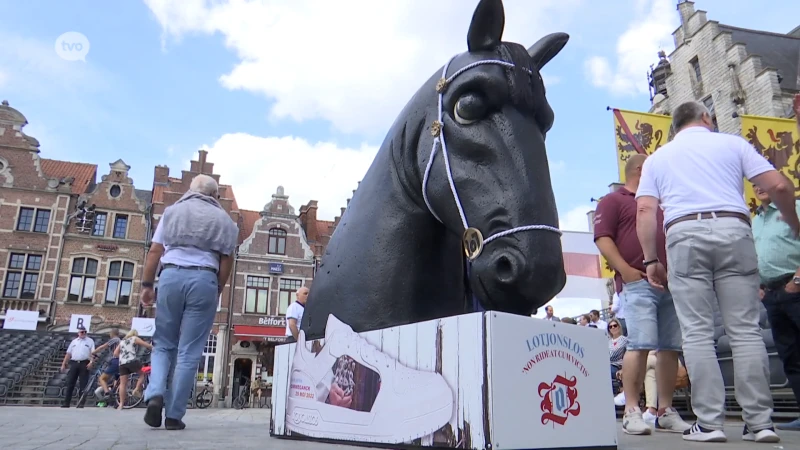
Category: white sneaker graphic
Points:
column 350, row 390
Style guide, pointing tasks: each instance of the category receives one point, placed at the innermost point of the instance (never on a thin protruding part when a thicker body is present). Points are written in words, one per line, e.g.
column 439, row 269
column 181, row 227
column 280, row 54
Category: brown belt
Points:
column 708, row 215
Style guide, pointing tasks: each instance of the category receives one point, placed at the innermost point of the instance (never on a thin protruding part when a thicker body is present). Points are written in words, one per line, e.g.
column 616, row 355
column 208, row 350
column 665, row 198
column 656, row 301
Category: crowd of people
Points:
column 682, row 209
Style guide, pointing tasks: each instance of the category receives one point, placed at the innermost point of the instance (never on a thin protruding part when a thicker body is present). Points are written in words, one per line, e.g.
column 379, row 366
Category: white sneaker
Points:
column 633, row 423
column 767, row 435
column 700, row 434
column 650, row 418
column 619, row 400
column 671, row 421
column 350, row 390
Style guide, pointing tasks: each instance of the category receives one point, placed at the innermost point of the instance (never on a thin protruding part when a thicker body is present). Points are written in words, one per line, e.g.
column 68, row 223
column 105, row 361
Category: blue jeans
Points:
column 185, row 310
column 651, row 318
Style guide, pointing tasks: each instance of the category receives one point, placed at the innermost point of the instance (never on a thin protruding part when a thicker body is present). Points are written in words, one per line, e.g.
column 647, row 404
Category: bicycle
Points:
column 243, row 400
column 204, row 398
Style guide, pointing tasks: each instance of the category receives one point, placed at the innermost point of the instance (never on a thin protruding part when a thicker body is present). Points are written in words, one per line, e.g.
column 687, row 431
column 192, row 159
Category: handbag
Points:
column 682, row 380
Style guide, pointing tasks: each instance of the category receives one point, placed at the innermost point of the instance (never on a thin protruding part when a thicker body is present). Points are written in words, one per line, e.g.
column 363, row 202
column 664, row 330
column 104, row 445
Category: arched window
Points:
column 277, row 241
column 205, row 371
column 82, row 280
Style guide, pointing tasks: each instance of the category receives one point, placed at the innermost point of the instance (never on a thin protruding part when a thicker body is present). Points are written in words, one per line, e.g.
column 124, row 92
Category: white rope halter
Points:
column 437, row 129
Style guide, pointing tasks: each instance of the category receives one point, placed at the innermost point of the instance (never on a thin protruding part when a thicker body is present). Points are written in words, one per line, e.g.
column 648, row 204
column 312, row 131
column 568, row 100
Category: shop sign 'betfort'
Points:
column 272, row 321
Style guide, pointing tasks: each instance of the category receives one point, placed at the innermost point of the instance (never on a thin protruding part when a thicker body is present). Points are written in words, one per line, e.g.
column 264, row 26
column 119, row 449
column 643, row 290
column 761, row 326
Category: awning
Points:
column 259, row 333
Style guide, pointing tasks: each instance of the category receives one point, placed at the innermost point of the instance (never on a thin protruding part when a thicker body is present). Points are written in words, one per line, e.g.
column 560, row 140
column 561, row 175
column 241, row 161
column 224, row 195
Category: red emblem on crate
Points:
column 559, row 400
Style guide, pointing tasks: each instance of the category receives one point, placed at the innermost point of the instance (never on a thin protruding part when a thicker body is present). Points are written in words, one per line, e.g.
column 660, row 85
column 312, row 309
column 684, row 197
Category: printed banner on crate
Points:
column 553, row 380
column 343, row 386
column 145, row 326
column 779, row 141
column 80, row 319
column 21, row 320
column 426, row 385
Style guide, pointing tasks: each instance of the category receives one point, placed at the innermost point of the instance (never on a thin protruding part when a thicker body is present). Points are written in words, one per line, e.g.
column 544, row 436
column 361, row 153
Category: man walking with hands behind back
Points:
column 194, row 242
column 698, row 180
column 651, row 319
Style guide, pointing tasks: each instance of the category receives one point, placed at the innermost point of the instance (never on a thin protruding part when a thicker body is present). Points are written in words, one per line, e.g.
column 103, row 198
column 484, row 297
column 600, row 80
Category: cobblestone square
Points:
column 29, row 428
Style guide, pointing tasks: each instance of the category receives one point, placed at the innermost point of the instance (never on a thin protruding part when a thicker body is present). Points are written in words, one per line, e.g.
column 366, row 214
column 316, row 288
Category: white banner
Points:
column 80, row 319
column 21, row 320
column 145, row 326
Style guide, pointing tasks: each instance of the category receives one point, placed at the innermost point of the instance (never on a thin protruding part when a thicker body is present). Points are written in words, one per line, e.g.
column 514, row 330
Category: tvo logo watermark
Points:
column 72, row 46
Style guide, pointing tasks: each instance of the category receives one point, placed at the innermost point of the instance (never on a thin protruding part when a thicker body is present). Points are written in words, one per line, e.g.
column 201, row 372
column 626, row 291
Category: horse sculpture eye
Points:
column 470, row 108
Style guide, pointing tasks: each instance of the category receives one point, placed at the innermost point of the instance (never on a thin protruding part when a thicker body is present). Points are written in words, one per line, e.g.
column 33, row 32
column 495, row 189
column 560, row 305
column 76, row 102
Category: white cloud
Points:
column 321, row 171
column 354, row 63
column 649, row 31
column 576, row 219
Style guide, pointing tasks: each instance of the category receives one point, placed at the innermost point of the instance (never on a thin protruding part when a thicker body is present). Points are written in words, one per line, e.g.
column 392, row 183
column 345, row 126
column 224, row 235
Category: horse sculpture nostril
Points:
column 505, row 269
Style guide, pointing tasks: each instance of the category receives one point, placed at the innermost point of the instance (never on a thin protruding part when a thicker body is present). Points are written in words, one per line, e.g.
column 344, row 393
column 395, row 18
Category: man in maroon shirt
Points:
column 649, row 313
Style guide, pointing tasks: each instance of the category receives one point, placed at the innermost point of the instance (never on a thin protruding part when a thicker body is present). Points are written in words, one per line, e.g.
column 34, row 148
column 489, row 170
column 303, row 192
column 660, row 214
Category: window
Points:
column 115, row 191
column 698, row 77
column 277, row 241
column 257, row 295
column 82, row 280
column 120, row 282
column 99, row 228
column 120, row 226
column 205, row 371
column 22, row 276
column 709, row 103
column 32, row 219
column 288, row 293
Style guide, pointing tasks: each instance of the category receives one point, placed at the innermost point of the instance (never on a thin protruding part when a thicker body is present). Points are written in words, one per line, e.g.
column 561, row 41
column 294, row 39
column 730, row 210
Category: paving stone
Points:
column 38, row 428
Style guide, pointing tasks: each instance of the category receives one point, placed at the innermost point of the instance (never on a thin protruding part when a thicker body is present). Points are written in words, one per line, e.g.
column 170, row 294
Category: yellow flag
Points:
column 605, row 269
column 778, row 140
column 638, row 132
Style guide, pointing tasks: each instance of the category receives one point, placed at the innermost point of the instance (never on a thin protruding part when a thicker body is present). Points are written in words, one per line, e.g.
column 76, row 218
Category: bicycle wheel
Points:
column 203, row 400
column 134, row 398
column 240, row 402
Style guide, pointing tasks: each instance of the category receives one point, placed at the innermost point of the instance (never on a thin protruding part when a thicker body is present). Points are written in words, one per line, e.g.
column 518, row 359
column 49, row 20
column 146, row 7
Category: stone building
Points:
column 102, row 258
column 732, row 70
column 58, row 222
column 272, row 263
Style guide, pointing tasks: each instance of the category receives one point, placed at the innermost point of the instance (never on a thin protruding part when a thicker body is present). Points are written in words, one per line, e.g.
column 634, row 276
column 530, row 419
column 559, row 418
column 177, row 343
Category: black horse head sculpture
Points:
column 464, row 163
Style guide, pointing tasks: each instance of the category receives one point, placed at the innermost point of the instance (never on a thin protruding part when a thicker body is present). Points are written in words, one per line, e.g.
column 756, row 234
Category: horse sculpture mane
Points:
column 464, row 159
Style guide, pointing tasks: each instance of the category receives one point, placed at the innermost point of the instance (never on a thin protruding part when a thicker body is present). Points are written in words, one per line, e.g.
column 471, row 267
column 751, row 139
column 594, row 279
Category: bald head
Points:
column 204, row 184
column 633, row 167
column 302, row 295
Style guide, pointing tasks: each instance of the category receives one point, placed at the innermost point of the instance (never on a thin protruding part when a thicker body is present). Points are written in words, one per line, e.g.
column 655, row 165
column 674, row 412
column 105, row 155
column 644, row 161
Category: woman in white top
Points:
column 129, row 364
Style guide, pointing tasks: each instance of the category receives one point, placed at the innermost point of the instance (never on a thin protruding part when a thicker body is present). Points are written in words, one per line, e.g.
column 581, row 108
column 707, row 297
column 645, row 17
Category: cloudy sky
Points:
column 300, row 93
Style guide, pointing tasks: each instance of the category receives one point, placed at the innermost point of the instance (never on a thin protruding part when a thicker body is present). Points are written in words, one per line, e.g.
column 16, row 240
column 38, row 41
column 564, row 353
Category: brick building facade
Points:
column 70, row 244
column 733, row 71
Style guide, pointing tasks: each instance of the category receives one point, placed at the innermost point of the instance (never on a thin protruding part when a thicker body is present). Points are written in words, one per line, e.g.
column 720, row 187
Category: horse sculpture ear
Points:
column 547, row 48
column 486, row 28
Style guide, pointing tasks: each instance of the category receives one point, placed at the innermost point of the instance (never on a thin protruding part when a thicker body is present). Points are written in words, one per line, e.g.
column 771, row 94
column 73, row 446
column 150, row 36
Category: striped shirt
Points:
column 616, row 348
column 778, row 252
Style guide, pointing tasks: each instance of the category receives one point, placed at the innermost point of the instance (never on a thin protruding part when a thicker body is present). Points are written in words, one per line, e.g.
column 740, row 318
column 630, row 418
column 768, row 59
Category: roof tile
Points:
column 85, row 174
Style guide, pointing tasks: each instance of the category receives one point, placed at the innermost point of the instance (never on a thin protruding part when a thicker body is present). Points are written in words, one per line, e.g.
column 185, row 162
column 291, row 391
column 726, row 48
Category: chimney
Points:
column 590, row 217
column 202, row 160
column 161, row 175
column 686, row 10
column 343, row 209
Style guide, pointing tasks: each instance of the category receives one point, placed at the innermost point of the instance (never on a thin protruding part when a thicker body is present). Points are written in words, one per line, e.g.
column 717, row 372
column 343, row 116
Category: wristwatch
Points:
column 652, row 261
column 796, row 280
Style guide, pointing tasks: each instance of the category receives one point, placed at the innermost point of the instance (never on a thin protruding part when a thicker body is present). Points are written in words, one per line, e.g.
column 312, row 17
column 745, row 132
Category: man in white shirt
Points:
column 597, row 321
column 79, row 355
column 194, row 243
column 294, row 314
column 697, row 179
